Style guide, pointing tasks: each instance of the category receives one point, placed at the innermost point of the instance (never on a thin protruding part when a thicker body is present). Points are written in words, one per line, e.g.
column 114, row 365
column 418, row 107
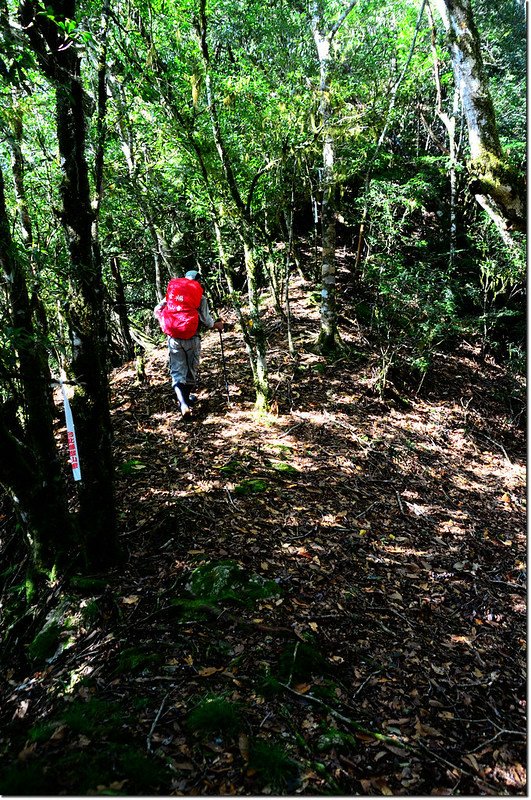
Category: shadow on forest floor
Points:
column 329, row 600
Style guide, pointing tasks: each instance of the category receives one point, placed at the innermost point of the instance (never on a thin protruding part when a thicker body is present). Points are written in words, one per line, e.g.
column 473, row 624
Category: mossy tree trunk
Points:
column 59, row 60
column 328, row 335
column 329, row 339
column 496, row 184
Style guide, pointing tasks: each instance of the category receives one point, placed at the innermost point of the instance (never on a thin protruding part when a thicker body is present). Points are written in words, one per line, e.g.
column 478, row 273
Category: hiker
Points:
column 179, row 316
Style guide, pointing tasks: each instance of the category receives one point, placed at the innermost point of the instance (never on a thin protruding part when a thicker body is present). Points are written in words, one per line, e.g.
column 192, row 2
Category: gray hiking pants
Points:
column 184, row 359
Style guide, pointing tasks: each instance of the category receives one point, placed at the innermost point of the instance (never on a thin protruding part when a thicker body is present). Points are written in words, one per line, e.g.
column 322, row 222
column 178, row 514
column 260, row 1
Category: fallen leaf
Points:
column 27, row 752
column 131, row 600
column 207, row 671
column 446, row 715
column 302, row 688
column 469, row 758
column 425, row 730
column 58, row 733
column 117, row 786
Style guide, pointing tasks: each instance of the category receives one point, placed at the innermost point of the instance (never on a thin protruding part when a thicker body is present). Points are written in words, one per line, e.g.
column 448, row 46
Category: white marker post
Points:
column 71, row 432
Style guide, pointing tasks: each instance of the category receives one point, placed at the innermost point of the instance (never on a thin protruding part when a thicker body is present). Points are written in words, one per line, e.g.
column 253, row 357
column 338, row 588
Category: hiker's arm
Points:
column 157, row 311
column 206, row 317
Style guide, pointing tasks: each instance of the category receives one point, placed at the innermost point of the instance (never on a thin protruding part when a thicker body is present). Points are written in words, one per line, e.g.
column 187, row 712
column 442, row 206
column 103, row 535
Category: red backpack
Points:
column 179, row 318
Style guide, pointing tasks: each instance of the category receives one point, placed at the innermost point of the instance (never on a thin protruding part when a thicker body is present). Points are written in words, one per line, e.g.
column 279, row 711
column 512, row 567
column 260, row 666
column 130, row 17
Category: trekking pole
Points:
column 224, row 367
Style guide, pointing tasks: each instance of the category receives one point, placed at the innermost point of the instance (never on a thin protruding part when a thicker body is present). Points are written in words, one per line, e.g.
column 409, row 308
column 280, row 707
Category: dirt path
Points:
column 379, row 647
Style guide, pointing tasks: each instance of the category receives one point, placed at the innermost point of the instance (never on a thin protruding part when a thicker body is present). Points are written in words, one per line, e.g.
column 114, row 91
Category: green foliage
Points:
column 281, row 466
column 192, row 609
column 334, row 738
column 114, row 761
column 110, row 758
column 88, row 584
column 314, row 298
column 251, row 486
column 135, row 660
column 103, row 717
column 42, row 731
column 409, row 299
column 226, row 580
column 142, row 772
column 300, row 661
column 214, row 714
column 231, row 468
column 29, row 779
column 273, row 764
column 133, row 465
column 319, row 368
column 90, row 613
column 45, row 644
column 268, row 686
column 283, row 450
column 326, row 690
column 165, row 185
column 26, row 589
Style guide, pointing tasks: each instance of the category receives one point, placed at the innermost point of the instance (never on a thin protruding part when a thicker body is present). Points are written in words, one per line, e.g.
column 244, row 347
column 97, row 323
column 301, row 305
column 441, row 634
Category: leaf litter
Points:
column 327, row 600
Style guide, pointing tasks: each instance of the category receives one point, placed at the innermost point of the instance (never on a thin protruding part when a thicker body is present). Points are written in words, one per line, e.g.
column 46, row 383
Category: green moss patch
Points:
column 215, row 714
column 226, row 580
column 251, row 486
column 273, row 765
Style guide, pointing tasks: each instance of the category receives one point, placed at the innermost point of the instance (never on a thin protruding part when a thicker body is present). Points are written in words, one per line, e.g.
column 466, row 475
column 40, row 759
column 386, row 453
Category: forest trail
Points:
column 356, row 618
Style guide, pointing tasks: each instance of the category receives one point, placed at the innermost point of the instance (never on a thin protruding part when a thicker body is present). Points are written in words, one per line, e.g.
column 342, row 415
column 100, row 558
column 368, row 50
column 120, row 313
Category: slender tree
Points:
column 254, row 331
column 323, row 37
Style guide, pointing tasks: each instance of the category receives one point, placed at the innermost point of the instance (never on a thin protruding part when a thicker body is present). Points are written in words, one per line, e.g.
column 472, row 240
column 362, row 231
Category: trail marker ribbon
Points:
column 71, row 433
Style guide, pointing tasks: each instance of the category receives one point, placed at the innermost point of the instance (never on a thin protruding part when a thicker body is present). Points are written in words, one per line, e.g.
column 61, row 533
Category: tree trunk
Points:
column 287, row 271
column 329, row 340
column 26, row 227
column 254, row 334
column 85, row 314
column 449, row 121
column 60, row 61
column 29, row 468
column 328, row 336
column 261, row 384
column 493, row 180
column 120, row 306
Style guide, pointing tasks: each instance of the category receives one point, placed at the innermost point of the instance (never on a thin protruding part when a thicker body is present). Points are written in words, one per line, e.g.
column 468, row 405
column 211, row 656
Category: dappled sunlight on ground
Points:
column 394, row 530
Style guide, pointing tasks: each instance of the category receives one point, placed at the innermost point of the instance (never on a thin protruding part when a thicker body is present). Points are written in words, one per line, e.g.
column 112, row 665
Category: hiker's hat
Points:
column 193, row 275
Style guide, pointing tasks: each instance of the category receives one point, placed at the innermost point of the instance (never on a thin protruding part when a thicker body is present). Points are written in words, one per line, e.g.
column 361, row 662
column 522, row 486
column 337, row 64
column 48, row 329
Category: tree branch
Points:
column 341, row 20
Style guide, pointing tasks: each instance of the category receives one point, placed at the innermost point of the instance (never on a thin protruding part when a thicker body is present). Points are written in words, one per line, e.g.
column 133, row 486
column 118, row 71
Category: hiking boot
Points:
column 189, row 399
column 182, row 398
